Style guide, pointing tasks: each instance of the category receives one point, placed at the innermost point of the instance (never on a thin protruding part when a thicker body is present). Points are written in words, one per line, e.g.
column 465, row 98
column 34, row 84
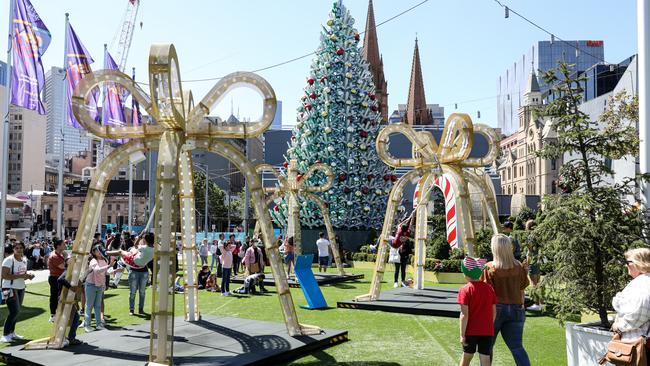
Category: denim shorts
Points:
column 288, row 257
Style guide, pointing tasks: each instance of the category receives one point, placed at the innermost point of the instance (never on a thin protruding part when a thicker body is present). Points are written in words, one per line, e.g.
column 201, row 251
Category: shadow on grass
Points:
column 26, row 312
column 343, row 286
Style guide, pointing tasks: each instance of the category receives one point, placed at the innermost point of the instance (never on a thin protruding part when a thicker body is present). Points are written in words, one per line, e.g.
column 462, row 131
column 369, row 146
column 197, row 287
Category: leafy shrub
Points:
column 359, row 257
column 483, row 238
column 365, row 249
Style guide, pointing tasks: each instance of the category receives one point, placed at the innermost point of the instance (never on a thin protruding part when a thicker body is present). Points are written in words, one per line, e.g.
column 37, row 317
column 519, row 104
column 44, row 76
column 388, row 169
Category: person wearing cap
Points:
column 56, row 264
column 478, row 310
column 516, row 247
column 509, row 279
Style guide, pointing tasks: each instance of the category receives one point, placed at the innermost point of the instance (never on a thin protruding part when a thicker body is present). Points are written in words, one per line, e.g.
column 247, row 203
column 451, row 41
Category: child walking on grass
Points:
column 477, row 301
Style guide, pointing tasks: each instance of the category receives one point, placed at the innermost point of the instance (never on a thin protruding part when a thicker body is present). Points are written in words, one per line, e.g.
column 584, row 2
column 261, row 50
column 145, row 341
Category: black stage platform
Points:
column 437, row 301
column 212, row 341
column 326, row 278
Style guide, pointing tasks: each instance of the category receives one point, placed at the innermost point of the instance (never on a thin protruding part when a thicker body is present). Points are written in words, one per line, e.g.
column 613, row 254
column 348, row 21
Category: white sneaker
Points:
column 535, row 307
column 66, row 343
column 101, row 327
column 6, row 339
column 396, row 285
column 17, row 336
column 51, row 319
column 88, row 329
column 227, row 293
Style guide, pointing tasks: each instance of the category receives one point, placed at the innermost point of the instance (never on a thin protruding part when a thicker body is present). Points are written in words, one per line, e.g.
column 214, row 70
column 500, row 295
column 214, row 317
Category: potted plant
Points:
column 587, row 227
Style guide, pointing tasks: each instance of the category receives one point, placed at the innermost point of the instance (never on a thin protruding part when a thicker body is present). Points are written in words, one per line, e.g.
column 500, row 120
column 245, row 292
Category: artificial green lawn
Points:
column 375, row 338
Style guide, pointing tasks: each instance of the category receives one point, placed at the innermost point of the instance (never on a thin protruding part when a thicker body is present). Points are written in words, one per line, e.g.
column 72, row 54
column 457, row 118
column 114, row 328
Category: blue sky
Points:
column 464, row 44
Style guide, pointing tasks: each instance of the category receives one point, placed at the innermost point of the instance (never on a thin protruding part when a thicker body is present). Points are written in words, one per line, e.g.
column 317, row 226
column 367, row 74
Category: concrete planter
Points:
column 585, row 343
column 449, row 278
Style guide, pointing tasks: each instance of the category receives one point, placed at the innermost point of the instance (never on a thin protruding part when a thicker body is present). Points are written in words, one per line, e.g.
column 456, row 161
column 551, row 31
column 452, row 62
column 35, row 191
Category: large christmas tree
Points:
column 337, row 124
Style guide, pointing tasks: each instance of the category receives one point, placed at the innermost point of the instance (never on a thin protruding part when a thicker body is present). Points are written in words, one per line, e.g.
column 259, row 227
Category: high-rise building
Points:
column 541, row 57
column 371, row 55
column 277, row 120
column 76, row 140
column 26, row 144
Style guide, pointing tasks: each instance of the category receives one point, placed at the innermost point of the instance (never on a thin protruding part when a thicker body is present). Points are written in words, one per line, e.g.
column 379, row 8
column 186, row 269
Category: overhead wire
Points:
column 314, row 52
column 553, row 35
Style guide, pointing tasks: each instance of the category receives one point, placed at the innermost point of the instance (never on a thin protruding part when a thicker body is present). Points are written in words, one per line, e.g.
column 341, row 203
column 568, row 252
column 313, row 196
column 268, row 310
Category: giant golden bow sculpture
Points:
column 449, row 159
column 180, row 127
column 292, row 186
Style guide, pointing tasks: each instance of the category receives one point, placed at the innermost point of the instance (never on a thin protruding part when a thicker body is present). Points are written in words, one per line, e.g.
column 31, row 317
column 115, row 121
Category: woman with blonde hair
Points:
column 632, row 305
column 509, row 278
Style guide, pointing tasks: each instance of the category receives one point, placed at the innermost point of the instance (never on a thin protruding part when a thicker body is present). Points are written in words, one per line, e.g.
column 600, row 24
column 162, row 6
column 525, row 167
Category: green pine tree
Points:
column 338, row 123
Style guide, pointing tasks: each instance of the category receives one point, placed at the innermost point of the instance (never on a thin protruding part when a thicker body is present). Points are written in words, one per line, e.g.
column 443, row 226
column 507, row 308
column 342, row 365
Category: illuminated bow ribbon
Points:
column 177, row 127
column 429, row 160
column 293, row 185
column 454, row 149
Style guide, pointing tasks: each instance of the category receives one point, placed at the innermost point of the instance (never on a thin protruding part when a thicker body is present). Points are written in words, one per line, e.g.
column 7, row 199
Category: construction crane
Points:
column 126, row 32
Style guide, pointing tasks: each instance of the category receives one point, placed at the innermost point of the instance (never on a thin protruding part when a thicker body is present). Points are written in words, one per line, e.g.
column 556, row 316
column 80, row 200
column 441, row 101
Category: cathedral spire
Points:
column 417, row 112
column 372, row 56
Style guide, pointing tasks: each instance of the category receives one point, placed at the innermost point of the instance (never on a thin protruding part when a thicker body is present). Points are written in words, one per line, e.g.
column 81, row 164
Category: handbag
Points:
column 393, row 256
column 8, row 293
column 622, row 353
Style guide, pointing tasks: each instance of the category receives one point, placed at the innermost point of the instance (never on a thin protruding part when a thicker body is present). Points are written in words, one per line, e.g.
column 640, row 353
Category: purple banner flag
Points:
column 30, row 40
column 78, row 60
column 113, row 108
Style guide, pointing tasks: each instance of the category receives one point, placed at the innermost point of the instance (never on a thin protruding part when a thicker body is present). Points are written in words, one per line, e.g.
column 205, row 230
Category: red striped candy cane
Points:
column 447, row 189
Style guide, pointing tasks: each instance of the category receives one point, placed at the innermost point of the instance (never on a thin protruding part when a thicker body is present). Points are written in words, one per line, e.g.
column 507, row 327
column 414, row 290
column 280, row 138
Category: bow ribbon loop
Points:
column 454, row 148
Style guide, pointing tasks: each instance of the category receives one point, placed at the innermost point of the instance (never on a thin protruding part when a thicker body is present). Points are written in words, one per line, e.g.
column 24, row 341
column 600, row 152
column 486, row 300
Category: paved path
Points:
column 41, row 276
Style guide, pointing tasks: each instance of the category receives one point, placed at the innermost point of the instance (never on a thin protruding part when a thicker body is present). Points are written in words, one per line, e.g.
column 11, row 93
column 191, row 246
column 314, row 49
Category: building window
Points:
column 509, row 173
column 608, row 163
column 109, row 219
column 553, row 187
column 69, row 207
column 553, row 164
column 110, row 207
column 515, row 172
column 117, row 207
column 514, row 189
column 69, row 222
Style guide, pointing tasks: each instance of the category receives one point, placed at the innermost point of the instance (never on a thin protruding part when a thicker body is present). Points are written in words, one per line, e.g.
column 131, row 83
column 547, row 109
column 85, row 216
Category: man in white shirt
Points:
column 323, row 252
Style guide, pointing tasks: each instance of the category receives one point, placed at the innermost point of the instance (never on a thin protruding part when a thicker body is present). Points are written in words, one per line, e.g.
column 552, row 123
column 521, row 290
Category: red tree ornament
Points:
column 310, row 81
column 285, row 165
column 323, row 79
column 393, row 178
column 386, row 177
column 363, row 134
column 299, row 177
column 372, row 96
column 340, row 52
column 365, row 190
column 356, row 36
column 313, row 95
column 342, row 177
column 370, row 177
column 347, row 190
column 308, row 107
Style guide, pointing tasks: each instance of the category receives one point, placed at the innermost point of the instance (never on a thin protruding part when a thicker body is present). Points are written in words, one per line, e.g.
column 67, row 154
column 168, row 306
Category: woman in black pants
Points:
column 56, row 264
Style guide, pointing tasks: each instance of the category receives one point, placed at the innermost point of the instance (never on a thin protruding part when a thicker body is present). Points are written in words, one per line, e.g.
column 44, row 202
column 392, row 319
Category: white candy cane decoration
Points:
column 447, row 189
